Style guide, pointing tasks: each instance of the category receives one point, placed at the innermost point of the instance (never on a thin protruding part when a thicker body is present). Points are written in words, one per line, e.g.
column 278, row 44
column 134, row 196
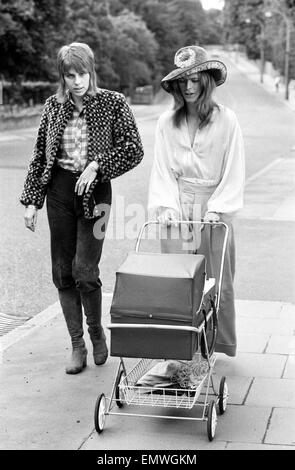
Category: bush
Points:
column 24, row 94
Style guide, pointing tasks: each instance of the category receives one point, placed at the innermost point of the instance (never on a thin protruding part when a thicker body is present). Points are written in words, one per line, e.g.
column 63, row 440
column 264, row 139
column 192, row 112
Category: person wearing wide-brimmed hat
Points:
column 199, row 172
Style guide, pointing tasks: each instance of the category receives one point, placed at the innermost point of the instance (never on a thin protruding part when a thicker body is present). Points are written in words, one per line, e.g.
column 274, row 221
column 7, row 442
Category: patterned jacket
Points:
column 113, row 142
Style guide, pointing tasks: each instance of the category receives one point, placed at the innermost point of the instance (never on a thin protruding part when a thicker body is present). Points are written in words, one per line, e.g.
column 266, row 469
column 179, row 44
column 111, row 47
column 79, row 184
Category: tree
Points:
column 174, row 23
column 162, row 18
column 134, row 41
column 46, row 28
column 282, row 34
column 29, row 32
column 15, row 41
column 192, row 21
column 264, row 27
column 89, row 21
column 134, row 54
column 243, row 24
column 213, row 33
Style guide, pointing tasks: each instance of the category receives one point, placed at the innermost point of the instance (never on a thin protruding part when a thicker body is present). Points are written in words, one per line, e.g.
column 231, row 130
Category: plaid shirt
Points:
column 74, row 144
column 113, row 142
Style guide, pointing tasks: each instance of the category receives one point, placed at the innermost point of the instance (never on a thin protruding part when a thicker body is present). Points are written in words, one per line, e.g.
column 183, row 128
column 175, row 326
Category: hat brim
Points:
column 215, row 67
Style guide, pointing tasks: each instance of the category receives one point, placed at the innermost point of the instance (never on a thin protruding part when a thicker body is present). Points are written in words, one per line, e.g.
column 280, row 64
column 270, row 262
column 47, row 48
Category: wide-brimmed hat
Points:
column 191, row 59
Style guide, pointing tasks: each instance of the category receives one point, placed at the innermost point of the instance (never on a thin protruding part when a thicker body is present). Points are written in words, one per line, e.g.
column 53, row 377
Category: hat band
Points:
column 190, row 72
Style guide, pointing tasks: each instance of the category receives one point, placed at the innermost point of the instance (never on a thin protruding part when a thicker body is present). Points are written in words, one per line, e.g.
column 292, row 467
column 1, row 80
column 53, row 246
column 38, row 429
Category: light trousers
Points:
column 209, row 242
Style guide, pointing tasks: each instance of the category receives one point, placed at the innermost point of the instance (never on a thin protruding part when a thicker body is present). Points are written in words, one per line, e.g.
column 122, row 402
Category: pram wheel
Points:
column 118, row 393
column 209, row 334
column 211, row 420
column 99, row 413
column 223, row 395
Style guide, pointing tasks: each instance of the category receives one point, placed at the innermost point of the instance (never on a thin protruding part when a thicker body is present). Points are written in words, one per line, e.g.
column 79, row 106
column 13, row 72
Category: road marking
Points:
column 25, row 134
column 8, row 138
column 147, row 118
column 270, row 209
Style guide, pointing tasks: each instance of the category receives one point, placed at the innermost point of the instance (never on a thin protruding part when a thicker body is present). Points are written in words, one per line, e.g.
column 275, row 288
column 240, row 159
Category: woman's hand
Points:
column 86, row 178
column 212, row 217
column 31, row 217
column 168, row 217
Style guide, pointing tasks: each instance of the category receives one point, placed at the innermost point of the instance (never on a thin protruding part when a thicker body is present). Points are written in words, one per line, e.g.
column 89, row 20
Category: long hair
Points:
column 80, row 57
column 204, row 104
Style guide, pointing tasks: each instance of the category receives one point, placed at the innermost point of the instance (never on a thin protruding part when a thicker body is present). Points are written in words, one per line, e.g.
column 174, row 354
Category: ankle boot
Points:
column 100, row 350
column 78, row 361
column 92, row 307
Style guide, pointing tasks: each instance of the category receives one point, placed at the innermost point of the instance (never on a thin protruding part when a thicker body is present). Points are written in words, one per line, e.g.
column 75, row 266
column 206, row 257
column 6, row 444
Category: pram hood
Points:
column 159, row 286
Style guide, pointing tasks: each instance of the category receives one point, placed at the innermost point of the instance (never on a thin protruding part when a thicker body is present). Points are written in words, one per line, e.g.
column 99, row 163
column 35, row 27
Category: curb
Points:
column 36, row 322
column 20, row 332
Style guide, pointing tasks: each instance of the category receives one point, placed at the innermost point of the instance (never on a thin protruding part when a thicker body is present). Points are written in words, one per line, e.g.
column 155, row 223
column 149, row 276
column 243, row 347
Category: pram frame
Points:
column 121, row 386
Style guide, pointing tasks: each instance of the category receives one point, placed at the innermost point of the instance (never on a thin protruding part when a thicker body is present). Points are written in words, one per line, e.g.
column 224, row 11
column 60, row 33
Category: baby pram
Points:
column 165, row 312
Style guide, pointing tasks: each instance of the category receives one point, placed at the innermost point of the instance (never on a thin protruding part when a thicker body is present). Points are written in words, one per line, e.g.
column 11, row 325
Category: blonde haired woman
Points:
column 86, row 137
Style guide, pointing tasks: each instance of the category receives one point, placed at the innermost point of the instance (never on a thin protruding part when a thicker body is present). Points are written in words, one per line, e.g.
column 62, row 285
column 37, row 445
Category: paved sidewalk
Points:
column 43, row 408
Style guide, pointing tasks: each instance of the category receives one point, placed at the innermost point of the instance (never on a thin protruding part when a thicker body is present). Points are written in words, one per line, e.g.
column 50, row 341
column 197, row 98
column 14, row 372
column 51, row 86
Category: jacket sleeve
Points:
column 34, row 191
column 228, row 196
column 127, row 150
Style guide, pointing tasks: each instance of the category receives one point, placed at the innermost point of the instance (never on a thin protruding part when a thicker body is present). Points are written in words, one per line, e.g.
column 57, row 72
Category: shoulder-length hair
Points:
column 204, row 104
column 80, row 57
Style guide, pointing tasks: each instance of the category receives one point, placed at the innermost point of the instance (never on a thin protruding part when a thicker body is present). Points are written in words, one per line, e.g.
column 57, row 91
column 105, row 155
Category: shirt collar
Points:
column 86, row 99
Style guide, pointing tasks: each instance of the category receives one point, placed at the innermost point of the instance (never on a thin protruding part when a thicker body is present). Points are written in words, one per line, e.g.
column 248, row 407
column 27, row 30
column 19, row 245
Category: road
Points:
column 264, row 229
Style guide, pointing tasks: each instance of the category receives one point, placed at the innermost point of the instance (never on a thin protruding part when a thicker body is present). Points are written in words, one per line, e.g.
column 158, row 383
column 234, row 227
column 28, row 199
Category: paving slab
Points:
column 134, row 433
column 281, row 429
column 252, row 343
column 238, row 388
column 281, row 345
column 289, row 372
column 287, row 312
column 286, row 210
column 272, row 392
column 265, row 326
column 251, row 365
column 258, row 308
column 242, row 446
column 245, row 424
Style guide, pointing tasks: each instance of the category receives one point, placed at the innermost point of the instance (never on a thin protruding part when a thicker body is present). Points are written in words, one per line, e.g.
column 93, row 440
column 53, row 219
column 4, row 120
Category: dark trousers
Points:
column 75, row 253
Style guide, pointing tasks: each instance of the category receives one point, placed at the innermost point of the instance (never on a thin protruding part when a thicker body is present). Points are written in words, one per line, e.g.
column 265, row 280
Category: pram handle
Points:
column 154, row 327
column 197, row 222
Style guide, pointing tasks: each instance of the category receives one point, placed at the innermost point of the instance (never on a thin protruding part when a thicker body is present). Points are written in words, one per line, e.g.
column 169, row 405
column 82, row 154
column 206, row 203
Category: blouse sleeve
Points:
column 228, row 196
column 163, row 187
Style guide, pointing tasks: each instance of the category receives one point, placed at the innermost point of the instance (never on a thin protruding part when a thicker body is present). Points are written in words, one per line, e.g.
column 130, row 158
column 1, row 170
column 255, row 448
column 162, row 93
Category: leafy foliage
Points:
column 257, row 23
column 134, row 41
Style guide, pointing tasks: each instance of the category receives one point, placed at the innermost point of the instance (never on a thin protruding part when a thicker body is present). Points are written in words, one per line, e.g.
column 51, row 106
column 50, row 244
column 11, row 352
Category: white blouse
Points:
column 216, row 158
